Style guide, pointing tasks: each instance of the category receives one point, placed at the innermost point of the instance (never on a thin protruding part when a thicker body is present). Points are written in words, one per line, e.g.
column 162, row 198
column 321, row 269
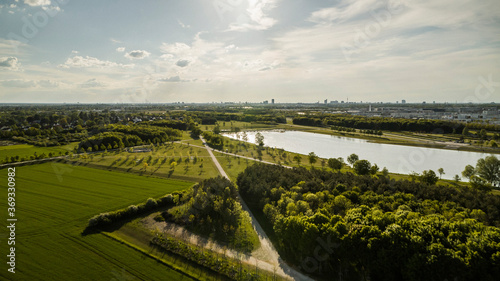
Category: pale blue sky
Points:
column 249, row 50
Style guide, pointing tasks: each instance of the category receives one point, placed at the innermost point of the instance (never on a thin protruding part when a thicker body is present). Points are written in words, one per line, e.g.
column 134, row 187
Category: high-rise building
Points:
column 403, row 101
column 272, row 101
column 326, row 101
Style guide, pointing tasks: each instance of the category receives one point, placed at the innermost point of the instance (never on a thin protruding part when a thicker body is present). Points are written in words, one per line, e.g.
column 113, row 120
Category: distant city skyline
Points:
column 56, row 51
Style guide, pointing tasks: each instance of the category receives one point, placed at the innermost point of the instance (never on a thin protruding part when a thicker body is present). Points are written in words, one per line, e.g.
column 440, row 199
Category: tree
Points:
column 468, row 172
column 312, row 158
column 385, row 172
column 374, row 169
column 335, row 163
column 457, row 178
column 297, row 159
column 216, row 129
column 465, row 131
column 352, row 159
column 483, row 134
column 429, row 177
column 362, row 167
column 259, row 139
column 489, row 169
column 441, row 172
column 195, row 132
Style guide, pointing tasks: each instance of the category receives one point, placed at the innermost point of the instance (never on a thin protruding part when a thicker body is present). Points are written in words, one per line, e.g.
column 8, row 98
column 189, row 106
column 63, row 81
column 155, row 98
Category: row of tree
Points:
column 380, row 123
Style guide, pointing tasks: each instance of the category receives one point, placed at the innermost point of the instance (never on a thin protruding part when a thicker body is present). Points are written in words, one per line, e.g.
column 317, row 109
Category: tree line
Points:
column 380, row 123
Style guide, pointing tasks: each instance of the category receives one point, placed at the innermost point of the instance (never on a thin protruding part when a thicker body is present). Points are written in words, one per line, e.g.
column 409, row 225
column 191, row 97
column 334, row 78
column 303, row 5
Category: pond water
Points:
column 397, row 158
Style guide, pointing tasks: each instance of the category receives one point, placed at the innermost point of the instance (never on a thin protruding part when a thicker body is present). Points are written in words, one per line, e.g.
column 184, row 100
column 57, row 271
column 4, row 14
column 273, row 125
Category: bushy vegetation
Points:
column 213, row 140
column 380, row 123
column 211, row 208
column 377, row 228
column 118, row 136
column 104, row 219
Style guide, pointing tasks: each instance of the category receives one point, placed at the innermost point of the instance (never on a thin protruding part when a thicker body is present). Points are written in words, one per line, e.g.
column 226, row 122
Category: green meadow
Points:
column 27, row 150
column 53, row 204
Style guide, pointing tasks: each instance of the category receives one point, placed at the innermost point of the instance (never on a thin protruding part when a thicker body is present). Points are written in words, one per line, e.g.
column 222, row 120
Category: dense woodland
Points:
column 373, row 226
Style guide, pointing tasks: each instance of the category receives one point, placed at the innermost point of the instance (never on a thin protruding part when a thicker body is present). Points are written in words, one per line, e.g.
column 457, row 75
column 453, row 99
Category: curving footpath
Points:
column 270, row 252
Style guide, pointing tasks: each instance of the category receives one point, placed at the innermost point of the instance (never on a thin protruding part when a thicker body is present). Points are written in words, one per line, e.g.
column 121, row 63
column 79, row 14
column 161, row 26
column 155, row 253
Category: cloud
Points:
column 175, row 49
column 92, row 83
column 25, row 83
column 48, row 84
column 120, row 49
column 36, row 3
column 183, row 25
column 9, row 63
column 52, row 10
column 347, row 9
column 256, row 16
column 172, row 79
column 182, row 63
column 87, row 62
column 18, row 83
column 137, row 55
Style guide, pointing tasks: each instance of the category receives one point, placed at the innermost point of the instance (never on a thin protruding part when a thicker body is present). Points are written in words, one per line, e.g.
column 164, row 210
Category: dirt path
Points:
column 266, row 253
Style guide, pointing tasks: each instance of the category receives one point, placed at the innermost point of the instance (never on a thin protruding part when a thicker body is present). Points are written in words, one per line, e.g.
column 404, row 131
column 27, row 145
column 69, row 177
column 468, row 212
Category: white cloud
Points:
column 52, row 10
column 256, row 17
column 48, row 84
column 183, row 25
column 137, row 55
column 9, row 63
column 92, row 83
column 120, row 49
column 174, row 79
column 87, row 62
column 35, row 3
column 175, row 49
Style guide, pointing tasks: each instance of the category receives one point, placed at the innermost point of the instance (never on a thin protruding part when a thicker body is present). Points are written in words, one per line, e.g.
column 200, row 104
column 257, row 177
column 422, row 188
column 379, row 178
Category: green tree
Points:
column 385, row 172
column 441, row 172
column 297, row 159
column 216, row 129
column 312, row 158
column 429, row 177
column 468, row 172
column 259, row 139
column 362, row 167
column 489, row 169
column 335, row 163
column 465, row 131
column 483, row 134
column 374, row 169
column 352, row 159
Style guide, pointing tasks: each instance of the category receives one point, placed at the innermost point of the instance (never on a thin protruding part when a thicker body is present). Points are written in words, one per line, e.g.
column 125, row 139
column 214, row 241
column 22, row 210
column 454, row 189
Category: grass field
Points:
column 27, row 150
column 54, row 203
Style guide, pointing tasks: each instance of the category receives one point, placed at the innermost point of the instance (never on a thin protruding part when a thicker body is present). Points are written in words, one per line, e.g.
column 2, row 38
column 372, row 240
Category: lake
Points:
column 397, row 158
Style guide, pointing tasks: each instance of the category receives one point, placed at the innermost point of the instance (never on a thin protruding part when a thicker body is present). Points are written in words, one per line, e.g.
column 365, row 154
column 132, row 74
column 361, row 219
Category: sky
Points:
column 122, row 51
